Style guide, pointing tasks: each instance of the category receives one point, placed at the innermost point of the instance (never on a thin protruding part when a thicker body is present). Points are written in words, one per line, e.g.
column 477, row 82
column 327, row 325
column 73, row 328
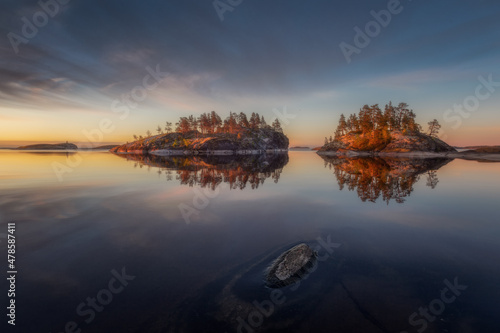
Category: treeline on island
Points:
column 392, row 130
column 212, row 123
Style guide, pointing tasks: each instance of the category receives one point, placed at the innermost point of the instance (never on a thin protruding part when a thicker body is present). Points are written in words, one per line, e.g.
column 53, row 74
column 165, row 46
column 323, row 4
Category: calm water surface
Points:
column 119, row 244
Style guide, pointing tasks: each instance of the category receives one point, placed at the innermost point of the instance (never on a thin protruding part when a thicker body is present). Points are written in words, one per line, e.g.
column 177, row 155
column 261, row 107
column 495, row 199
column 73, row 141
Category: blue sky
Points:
column 263, row 56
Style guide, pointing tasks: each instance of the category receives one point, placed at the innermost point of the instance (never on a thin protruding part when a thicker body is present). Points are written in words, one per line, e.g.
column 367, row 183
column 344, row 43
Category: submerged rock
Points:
column 291, row 266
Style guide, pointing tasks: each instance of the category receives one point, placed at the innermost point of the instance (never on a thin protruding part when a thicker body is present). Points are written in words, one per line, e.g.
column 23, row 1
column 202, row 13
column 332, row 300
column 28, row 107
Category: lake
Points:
column 108, row 243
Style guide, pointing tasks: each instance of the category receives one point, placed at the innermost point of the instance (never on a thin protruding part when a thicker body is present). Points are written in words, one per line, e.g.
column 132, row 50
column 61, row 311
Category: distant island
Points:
column 209, row 135
column 61, row 146
column 46, row 146
column 299, row 147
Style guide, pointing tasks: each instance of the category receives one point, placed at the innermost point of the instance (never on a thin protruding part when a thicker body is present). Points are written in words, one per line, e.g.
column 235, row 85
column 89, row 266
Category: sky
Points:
column 102, row 71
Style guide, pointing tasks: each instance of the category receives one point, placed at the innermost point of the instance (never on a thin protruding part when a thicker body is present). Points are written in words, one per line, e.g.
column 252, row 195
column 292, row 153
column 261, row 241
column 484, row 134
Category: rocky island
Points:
column 373, row 132
column 209, row 135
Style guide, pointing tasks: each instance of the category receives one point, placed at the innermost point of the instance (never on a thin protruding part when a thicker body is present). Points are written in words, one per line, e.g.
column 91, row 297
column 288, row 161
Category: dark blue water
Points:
column 111, row 244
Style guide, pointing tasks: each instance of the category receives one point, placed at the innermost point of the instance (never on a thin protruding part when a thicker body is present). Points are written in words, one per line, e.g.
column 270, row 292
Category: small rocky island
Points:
column 46, row 146
column 209, row 135
column 373, row 132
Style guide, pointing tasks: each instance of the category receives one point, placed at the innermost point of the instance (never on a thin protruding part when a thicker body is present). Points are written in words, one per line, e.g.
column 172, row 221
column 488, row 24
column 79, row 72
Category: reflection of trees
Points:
column 432, row 179
column 391, row 178
column 210, row 171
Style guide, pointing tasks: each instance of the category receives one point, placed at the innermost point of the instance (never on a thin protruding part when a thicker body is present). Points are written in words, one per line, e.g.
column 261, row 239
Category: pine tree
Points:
column 216, row 122
column 263, row 123
column 277, row 126
column 254, row 121
column 434, row 128
column 353, row 118
column 390, row 116
column 242, row 120
column 342, row 125
column 168, row 127
column 183, row 126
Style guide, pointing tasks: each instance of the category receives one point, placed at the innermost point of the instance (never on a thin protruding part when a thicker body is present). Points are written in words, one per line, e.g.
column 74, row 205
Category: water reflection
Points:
column 211, row 171
column 389, row 178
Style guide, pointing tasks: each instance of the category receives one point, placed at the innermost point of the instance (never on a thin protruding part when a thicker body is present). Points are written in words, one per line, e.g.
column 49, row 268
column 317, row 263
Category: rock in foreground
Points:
column 290, row 266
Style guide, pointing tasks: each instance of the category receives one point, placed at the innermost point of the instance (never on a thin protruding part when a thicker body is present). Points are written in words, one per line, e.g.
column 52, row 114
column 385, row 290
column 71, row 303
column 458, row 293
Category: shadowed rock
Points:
column 291, row 266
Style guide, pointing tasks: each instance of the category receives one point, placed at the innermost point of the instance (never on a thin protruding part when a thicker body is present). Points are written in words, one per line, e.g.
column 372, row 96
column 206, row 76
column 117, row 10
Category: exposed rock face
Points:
column 417, row 142
column 258, row 140
column 45, row 146
column 393, row 142
column 290, row 266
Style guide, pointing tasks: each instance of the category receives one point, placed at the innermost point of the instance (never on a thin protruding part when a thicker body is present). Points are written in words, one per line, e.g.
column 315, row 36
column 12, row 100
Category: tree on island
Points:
column 277, row 126
column 168, row 127
column 434, row 128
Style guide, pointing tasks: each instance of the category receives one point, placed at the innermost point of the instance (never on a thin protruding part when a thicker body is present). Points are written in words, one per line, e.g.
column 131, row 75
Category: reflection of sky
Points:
column 107, row 214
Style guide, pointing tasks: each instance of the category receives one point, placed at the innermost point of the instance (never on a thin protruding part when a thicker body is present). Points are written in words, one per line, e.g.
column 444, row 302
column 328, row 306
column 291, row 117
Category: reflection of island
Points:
column 391, row 178
column 212, row 170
